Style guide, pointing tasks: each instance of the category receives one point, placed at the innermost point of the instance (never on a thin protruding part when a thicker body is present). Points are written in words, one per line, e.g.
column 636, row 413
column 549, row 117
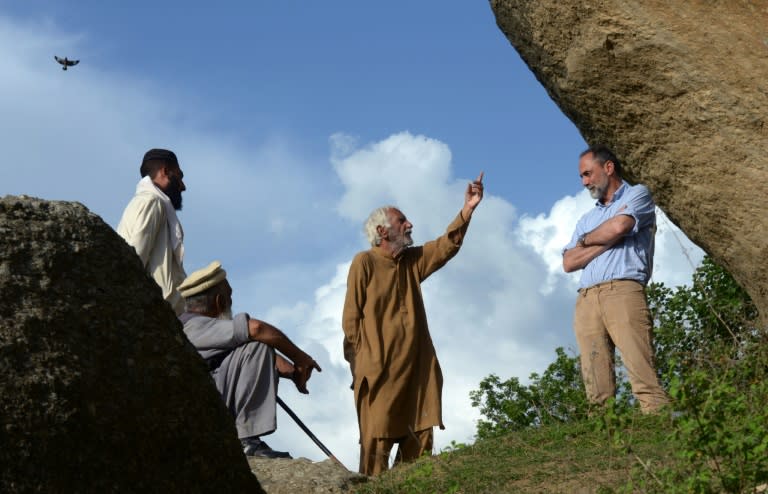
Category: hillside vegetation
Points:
column 543, row 437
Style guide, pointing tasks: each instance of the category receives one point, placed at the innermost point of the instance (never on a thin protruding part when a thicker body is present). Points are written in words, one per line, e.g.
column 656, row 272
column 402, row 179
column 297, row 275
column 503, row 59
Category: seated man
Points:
column 241, row 355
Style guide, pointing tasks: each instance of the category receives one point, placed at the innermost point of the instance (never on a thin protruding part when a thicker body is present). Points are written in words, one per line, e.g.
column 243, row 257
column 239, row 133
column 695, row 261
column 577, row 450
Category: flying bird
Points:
column 65, row 62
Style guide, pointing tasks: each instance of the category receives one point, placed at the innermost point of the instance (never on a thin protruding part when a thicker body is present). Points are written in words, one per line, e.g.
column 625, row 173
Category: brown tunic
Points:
column 386, row 338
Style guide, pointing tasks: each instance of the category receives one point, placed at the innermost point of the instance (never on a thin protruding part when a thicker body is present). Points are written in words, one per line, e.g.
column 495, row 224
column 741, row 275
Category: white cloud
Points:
column 286, row 228
column 547, row 234
column 501, row 306
column 394, row 170
column 80, row 135
column 676, row 256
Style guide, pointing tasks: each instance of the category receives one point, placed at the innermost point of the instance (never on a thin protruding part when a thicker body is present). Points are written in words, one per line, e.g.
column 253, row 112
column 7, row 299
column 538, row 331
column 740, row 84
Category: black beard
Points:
column 176, row 201
column 173, row 191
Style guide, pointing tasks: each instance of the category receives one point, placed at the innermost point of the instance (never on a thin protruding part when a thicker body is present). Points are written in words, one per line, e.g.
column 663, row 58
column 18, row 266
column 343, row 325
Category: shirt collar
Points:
column 616, row 195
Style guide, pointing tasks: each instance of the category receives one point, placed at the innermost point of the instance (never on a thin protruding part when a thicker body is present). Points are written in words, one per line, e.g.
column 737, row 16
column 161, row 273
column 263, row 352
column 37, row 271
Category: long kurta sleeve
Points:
column 441, row 250
column 352, row 316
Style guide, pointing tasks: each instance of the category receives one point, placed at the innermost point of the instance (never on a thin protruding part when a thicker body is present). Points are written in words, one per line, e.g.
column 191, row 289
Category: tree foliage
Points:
column 555, row 396
column 712, row 357
column 691, row 323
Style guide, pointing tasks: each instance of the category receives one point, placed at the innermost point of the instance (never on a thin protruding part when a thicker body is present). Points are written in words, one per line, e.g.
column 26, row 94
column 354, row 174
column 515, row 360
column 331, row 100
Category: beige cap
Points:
column 202, row 279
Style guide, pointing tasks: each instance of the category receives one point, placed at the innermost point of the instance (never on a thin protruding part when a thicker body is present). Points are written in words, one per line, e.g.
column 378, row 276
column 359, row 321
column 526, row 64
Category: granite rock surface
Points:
column 679, row 90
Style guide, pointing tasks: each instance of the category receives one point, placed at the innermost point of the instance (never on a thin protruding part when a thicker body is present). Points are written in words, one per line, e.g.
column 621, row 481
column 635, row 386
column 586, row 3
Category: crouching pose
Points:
column 240, row 352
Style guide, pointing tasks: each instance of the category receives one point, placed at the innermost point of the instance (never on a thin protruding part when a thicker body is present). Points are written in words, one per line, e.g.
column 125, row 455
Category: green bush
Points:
column 556, row 396
column 721, row 434
column 691, row 323
column 711, row 356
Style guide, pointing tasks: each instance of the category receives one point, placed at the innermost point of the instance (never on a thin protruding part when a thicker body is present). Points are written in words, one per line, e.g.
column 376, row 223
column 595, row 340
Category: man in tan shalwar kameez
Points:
column 397, row 378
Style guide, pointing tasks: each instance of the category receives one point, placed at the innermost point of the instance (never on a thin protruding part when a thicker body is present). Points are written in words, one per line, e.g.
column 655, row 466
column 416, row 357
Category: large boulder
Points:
column 101, row 391
column 680, row 91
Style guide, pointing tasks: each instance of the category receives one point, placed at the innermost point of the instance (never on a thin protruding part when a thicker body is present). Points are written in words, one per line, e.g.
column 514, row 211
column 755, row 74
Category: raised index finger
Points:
column 479, row 178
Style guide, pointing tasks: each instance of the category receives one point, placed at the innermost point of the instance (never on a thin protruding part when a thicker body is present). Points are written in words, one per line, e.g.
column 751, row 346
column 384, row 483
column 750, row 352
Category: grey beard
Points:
column 226, row 315
column 597, row 192
column 404, row 242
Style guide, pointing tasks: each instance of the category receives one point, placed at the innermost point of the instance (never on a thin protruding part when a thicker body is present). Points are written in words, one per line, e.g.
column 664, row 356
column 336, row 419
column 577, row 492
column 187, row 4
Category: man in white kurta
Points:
column 150, row 225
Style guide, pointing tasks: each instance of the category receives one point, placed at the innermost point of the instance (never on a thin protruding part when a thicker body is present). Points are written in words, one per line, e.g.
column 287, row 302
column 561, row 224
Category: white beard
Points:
column 226, row 315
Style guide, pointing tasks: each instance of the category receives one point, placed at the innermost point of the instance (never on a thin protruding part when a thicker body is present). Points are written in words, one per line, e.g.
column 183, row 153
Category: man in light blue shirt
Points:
column 613, row 246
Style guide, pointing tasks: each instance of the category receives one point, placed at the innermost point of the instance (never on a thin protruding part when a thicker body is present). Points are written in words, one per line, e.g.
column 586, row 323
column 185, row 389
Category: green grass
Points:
column 602, row 455
column 713, row 356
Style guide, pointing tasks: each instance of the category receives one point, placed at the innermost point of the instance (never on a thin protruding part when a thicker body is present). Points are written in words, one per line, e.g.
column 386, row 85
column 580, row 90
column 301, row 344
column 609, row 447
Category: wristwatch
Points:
column 582, row 240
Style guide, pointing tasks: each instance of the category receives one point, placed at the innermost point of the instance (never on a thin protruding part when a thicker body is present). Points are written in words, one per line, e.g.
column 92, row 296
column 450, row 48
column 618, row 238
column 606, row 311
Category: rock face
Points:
column 679, row 90
column 100, row 390
column 283, row 476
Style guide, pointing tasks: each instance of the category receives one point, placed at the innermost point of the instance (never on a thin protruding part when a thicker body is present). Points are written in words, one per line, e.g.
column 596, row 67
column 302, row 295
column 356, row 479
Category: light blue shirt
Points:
column 630, row 258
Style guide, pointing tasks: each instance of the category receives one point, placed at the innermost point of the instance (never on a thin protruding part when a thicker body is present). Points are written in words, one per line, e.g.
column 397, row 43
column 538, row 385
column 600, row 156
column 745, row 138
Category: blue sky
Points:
column 304, row 70
column 292, row 121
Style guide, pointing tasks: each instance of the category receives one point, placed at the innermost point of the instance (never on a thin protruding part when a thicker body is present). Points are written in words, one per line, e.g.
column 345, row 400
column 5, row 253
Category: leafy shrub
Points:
column 711, row 356
column 691, row 322
column 554, row 397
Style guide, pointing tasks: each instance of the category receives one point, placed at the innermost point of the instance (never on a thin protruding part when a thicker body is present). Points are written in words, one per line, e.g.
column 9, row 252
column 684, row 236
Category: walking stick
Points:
column 309, row 432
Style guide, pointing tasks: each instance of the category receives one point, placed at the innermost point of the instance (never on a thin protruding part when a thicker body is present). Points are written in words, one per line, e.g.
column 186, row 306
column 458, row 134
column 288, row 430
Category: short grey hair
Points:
column 378, row 217
column 203, row 301
column 199, row 302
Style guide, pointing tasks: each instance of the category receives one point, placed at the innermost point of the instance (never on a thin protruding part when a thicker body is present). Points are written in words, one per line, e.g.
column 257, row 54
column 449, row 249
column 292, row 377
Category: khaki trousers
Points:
column 613, row 315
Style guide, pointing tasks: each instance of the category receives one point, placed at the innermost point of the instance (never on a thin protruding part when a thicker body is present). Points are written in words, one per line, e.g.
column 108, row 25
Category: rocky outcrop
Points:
column 282, row 476
column 680, row 91
column 101, row 392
